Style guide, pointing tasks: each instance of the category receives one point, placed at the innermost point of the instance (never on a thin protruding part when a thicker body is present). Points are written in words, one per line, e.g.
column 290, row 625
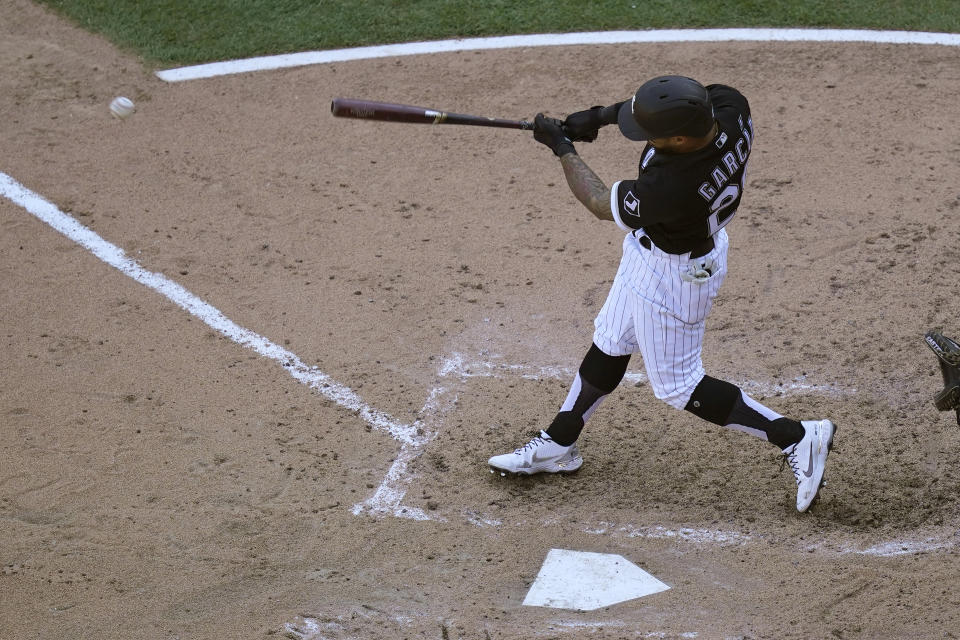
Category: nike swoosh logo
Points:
column 536, row 459
column 809, row 470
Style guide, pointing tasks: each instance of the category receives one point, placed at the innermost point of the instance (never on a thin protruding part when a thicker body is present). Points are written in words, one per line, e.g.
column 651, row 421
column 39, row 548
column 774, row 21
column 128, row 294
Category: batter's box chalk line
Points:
column 463, row 367
column 326, row 627
column 313, row 626
column 386, row 500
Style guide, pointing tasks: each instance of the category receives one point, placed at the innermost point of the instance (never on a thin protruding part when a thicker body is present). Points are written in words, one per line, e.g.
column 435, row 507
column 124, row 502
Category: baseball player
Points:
column 691, row 178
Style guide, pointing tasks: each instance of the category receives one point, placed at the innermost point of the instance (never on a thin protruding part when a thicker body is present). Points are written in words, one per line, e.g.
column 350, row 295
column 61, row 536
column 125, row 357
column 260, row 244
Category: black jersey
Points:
column 681, row 199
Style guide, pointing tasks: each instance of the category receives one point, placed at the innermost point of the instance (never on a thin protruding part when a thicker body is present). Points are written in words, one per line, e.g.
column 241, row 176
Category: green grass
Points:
column 175, row 32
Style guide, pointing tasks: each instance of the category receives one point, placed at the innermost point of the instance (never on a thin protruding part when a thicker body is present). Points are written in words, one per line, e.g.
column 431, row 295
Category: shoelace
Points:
column 536, row 442
column 791, row 459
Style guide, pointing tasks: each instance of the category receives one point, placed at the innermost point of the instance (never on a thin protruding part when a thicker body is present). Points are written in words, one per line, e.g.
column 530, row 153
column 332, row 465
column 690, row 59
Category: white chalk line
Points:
column 712, row 537
column 412, row 437
column 464, row 367
column 387, row 498
column 265, row 63
column 308, row 627
column 209, row 315
column 905, row 547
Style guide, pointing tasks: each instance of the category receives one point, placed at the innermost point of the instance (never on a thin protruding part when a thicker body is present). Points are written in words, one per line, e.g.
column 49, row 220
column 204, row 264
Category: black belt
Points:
column 696, row 251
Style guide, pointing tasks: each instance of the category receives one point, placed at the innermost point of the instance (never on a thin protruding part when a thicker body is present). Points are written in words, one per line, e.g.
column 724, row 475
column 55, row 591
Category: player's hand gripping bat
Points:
column 391, row 112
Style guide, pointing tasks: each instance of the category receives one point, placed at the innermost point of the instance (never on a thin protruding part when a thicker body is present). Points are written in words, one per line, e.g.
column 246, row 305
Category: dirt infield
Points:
column 160, row 480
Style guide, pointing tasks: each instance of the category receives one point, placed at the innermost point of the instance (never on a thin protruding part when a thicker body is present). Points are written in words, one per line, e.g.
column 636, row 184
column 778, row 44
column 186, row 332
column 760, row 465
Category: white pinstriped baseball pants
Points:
column 653, row 310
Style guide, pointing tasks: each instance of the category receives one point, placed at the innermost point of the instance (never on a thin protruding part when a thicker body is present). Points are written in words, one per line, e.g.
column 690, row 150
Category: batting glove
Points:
column 549, row 132
column 583, row 126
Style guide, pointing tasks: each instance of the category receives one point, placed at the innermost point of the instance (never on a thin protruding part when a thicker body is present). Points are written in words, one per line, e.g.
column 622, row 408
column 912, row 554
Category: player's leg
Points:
column 805, row 445
column 598, row 376
column 670, row 330
column 602, row 369
column 726, row 405
column 555, row 450
column 670, row 327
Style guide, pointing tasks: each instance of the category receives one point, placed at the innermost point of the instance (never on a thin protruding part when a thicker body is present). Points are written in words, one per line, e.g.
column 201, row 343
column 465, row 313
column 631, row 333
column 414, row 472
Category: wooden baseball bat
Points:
column 391, row 112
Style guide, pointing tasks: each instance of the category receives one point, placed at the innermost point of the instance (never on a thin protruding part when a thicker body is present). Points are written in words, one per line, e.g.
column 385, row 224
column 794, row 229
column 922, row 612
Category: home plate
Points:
column 584, row 581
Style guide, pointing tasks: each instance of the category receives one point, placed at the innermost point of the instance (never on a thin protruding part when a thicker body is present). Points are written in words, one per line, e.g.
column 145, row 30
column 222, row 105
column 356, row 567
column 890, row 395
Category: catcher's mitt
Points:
column 948, row 354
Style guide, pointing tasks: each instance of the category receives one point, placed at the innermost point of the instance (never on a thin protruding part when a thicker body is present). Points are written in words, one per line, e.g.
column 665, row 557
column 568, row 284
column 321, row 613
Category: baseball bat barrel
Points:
column 392, row 112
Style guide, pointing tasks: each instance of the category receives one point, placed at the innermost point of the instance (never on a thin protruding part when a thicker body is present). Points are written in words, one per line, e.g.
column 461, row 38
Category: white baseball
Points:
column 121, row 107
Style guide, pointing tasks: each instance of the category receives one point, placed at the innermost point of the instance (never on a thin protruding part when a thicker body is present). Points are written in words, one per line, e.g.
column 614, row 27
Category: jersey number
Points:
column 720, row 212
column 720, row 209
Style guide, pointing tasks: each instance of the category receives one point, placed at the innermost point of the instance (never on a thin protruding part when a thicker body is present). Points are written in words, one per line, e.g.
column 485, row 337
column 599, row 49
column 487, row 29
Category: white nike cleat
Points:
column 538, row 456
column 808, row 458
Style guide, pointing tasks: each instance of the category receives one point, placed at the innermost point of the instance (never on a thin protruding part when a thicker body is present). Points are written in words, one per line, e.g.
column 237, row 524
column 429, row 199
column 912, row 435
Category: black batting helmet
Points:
column 667, row 106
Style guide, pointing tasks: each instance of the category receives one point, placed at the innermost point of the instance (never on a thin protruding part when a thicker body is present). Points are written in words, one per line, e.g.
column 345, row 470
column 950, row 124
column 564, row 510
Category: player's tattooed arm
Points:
column 586, row 186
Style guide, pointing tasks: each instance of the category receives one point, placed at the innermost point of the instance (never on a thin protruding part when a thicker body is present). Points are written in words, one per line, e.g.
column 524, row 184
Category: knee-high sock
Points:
column 599, row 374
column 727, row 405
